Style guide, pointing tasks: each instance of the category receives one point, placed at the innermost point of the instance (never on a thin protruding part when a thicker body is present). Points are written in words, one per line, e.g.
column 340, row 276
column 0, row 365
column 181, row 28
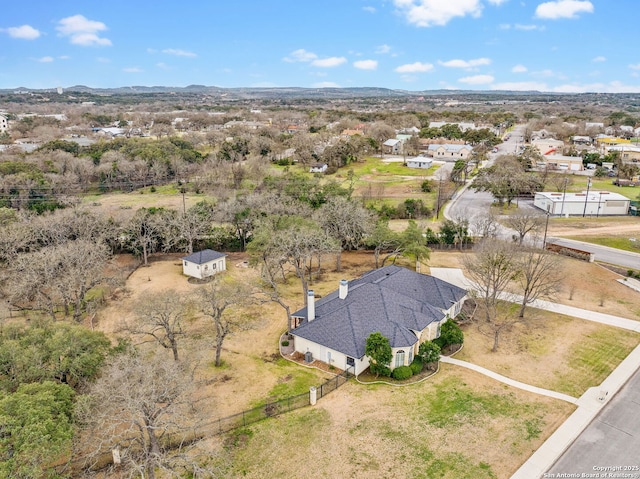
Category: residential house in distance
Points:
column 546, row 146
column 449, row 152
column 406, row 307
column 628, row 153
column 392, row 146
column 203, row 264
column 420, row 162
column 561, row 163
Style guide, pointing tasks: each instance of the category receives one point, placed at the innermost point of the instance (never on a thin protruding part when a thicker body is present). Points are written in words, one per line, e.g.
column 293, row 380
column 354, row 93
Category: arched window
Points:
column 399, row 358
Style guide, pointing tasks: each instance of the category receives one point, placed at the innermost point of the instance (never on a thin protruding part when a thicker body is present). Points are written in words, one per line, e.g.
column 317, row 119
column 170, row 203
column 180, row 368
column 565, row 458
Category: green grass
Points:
column 455, row 404
column 375, row 166
column 626, row 244
column 603, row 184
column 593, row 359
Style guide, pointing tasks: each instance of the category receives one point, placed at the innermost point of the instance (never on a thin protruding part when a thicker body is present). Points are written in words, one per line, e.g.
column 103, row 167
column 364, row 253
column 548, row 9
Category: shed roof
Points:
column 204, row 256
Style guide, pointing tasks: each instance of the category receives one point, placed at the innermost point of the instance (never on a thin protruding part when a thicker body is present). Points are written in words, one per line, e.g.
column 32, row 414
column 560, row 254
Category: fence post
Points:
column 313, row 395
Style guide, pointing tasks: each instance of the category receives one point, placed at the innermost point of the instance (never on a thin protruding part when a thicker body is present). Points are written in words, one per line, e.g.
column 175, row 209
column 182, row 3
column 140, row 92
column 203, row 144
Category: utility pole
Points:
column 564, row 194
column 586, row 198
column 546, row 226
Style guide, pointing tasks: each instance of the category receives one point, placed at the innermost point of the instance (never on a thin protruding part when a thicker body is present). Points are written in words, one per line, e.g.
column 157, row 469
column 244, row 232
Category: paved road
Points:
column 611, row 440
column 603, row 254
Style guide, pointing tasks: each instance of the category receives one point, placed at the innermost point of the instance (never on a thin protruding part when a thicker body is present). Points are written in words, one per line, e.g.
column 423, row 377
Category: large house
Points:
column 203, row 264
column 406, row 307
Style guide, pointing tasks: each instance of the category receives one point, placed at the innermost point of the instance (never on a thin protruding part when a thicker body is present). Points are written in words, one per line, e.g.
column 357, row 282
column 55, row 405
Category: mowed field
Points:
column 456, row 424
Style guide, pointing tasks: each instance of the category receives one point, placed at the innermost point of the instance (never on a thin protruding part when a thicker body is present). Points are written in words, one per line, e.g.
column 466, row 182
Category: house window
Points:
column 185, row 264
column 410, row 356
column 399, row 359
column 351, row 361
column 214, row 265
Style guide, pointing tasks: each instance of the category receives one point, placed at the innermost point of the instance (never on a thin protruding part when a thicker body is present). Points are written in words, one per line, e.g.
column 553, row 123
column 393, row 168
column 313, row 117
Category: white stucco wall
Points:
column 321, row 353
column 201, row 271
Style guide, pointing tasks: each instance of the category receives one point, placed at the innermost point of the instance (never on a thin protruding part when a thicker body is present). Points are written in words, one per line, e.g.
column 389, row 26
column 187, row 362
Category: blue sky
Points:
column 560, row 45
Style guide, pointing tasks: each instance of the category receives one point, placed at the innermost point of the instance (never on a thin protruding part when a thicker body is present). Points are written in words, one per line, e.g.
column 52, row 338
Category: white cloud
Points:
column 519, row 69
column 527, row 28
column 477, row 80
column 329, row 62
column 428, row 13
column 162, row 65
column 300, row 55
column 520, row 86
column 599, row 59
column 326, row 84
column 382, row 49
column 24, row 32
column 46, row 59
column 132, row 70
column 466, row 63
column 366, row 64
column 414, row 67
column 369, row 9
column 563, row 9
column 497, row 2
column 179, row 53
column 635, row 67
column 64, row 57
column 611, row 87
column 82, row 31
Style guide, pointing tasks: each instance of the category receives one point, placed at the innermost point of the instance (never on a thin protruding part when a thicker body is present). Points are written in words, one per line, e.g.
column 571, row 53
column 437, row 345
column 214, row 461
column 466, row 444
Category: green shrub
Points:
column 285, row 343
column 416, row 365
column 402, row 372
column 450, row 333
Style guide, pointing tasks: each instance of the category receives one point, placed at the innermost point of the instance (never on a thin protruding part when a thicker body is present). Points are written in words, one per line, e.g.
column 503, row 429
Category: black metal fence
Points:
column 281, row 406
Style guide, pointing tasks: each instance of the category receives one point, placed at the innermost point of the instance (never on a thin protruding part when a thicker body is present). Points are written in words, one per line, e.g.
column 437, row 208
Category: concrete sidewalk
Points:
column 509, row 381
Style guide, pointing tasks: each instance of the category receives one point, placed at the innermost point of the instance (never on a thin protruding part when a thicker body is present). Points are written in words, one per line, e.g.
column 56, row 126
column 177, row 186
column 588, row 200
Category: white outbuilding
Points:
column 420, row 162
column 203, row 264
column 593, row 203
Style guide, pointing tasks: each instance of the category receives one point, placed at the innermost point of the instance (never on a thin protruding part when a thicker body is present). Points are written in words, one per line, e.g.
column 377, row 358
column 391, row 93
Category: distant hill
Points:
column 259, row 93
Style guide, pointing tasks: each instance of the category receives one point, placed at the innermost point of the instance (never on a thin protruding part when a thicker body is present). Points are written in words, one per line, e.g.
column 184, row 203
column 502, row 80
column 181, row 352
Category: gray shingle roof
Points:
column 391, row 300
column 204, row 256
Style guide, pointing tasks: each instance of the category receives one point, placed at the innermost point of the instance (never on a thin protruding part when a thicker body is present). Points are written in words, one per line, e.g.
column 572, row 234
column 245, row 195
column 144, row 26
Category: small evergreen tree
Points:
column 450, row 333
column 379, row 351
column 429, row 352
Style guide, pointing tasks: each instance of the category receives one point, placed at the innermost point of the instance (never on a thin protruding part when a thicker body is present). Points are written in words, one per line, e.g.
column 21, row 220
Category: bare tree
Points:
column 142, row 233
column 59, row 275
column 147, row 410
column 539, row 276
column 485, row 225
column 345, row 221
column 161, row 317
column 491, row 267
column 384, row 240
column 219, row 301
column 524, row 222
column 294, row 241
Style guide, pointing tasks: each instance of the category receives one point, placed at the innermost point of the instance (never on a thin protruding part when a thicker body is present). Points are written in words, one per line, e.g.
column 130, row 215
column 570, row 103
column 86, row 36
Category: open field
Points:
column 456, row 424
